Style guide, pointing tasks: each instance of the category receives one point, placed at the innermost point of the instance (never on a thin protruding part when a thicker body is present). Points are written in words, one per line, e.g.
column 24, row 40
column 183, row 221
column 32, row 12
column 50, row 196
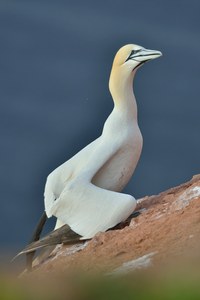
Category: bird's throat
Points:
column 121, row 89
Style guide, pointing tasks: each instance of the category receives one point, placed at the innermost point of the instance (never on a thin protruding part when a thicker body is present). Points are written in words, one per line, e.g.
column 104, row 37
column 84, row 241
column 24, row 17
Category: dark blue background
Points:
column 55, row 61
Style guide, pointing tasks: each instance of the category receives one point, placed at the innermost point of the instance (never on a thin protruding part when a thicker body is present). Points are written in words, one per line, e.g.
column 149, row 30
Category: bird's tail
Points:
column 61, row 235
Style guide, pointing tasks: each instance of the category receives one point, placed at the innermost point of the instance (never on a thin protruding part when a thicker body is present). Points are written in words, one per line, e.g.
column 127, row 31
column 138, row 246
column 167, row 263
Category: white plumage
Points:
column 84, row 192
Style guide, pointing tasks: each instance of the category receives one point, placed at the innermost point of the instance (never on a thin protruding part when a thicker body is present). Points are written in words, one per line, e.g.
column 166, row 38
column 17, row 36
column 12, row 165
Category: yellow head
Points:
column 126, row 62
column 133, row 56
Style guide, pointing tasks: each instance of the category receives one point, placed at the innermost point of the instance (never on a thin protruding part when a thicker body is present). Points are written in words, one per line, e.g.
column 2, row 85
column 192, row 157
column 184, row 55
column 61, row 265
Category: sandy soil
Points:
column 166, row 231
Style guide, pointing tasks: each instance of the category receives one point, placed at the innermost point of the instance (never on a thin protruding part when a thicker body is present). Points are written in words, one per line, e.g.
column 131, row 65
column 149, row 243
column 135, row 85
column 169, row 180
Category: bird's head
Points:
column 132, row 56
column 127, row 60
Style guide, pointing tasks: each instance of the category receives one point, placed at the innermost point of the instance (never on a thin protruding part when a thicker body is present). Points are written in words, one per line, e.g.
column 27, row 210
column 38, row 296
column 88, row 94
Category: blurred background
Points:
column 55, row 61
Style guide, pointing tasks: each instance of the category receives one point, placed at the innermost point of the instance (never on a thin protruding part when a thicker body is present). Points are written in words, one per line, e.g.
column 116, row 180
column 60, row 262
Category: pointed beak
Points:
column 145, row 54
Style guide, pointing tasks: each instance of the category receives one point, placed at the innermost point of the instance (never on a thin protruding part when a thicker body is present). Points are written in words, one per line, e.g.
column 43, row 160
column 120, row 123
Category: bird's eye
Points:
column 135, row 51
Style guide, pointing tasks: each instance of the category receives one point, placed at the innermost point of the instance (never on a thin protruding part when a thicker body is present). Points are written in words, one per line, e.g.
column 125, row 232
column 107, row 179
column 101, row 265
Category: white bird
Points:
column 84, row 192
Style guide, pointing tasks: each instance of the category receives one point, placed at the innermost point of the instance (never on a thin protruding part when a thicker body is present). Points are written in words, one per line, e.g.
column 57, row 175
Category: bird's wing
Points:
column 88, row 209
column 57, row 179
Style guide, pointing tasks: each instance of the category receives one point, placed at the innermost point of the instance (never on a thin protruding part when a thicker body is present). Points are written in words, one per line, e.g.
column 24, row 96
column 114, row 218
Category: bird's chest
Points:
column 117, row 171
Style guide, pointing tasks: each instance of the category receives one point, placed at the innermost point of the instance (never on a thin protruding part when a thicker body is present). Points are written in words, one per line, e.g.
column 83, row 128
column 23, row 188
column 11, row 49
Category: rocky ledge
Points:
column 166, row 230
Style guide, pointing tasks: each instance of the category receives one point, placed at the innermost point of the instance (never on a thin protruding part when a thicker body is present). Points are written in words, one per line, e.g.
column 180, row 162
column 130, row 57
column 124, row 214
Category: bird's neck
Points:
column 121, row 89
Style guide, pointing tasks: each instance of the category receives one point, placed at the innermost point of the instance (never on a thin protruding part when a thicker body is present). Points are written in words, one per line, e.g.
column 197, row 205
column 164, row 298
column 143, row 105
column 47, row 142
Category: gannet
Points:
column 85, row 191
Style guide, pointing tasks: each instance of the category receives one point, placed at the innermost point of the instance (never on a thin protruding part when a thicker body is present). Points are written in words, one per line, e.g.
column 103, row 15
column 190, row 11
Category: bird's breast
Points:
column 116, row 173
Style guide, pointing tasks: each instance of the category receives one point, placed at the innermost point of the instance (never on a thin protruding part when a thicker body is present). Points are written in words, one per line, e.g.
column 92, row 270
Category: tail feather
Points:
column 61, row 235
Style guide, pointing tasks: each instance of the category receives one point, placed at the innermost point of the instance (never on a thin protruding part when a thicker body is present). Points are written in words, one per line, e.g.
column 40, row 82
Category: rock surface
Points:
column 167, row 230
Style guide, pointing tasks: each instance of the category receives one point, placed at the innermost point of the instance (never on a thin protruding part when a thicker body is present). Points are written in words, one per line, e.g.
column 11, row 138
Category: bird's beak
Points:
column 145, row 54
